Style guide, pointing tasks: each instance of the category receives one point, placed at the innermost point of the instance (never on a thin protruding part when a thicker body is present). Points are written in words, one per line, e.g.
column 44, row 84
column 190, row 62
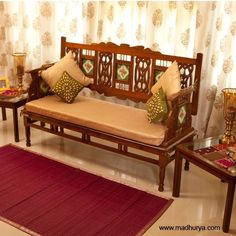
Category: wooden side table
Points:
column 189, row 152
column 14, row 104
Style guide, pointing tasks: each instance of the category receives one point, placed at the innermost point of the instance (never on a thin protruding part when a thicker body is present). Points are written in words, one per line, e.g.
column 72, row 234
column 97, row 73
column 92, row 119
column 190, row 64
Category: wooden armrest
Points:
column 38, row 88
column 182, row 92
column 36, row 70
column 179, row 121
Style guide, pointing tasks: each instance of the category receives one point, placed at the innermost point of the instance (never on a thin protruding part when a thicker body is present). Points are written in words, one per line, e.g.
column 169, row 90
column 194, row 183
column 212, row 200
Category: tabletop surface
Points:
column 13, row 98
column 212, row 152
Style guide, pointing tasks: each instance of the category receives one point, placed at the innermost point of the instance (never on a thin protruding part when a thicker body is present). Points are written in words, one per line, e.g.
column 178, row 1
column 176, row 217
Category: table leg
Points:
column 4, row 115
column 15, row 124
column 177, row 174
column 228, row 205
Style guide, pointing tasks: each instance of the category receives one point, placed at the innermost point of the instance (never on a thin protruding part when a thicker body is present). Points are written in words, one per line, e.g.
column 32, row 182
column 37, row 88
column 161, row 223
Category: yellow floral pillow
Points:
column 157, row 107
column 67, row 88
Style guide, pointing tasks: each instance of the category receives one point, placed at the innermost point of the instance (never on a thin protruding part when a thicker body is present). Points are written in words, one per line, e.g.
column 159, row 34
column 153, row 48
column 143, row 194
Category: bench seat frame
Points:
column 176, row 132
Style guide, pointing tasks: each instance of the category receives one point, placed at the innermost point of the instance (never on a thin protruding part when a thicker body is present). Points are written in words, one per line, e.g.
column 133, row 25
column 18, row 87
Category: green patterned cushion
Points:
column 44, row 89
column 157, row 108
column 67, row 87
column 52, row 74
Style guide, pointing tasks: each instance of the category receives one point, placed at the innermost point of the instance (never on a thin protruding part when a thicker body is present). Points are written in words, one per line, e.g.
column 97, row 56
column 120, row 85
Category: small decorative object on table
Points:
column 229, row 114
column 228, row 159
column 19, row 67
column 232, row 154
column 4, row 84
column 10, row 93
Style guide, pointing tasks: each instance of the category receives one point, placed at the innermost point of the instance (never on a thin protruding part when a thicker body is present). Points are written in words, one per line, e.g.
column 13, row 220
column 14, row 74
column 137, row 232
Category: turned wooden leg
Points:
column 177, row 174
column 56, row 128
column 27, row 134
column 51, row 127
column 42, row 124
column 161, row 178
column 27, row 131
column 186, row 165
column 162, row 163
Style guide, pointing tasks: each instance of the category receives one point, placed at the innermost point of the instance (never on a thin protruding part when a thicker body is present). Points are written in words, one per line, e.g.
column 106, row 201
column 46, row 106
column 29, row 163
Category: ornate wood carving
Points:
column 105, row 69
column 186, row 71
column 142, row 74
column 75, row 52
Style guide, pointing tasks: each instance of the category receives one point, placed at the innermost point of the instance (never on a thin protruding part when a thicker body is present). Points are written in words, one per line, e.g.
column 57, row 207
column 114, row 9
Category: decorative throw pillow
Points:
column 169, row 81
column 67, row 87
column 157, row 108
column 67, row 63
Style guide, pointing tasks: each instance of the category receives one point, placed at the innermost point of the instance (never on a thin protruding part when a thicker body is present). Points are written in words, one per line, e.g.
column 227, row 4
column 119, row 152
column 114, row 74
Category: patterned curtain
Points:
column 179, row 28
column 218, row 30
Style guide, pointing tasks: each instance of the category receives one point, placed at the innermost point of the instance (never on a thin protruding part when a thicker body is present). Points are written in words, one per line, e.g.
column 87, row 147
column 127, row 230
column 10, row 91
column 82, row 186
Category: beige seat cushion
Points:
column 104, row 116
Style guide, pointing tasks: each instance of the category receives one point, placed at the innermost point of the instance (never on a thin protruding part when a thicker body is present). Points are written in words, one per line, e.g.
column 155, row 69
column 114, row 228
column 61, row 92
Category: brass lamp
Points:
column 229, row 113
column 19, row 68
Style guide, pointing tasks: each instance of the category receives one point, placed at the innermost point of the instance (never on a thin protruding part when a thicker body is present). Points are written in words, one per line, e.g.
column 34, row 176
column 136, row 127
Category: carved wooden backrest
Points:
column 130, row 72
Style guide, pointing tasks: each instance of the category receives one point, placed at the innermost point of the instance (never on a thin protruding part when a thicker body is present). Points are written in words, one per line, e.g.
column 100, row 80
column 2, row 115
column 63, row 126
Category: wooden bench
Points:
column 142, row 68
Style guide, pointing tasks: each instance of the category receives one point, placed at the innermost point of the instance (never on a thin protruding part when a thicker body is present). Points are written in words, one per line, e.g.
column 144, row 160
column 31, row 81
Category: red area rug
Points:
column 44, row 197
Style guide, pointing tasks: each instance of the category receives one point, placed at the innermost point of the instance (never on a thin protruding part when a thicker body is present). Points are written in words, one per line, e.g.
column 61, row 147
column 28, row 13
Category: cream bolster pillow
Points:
column 169, row 81
column 67, row 63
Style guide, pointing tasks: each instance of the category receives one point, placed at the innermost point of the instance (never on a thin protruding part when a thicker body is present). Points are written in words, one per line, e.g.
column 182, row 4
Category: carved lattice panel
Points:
column 75, row 52
column 187, row 75
column 142, row 74
column 105, row 69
